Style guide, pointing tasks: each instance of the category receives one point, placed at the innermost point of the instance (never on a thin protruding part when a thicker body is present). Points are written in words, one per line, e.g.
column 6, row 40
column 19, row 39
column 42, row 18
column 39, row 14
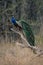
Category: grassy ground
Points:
column 13, row 54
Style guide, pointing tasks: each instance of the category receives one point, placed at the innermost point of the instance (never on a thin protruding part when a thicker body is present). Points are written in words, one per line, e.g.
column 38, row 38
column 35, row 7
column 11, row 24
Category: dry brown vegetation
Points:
column 13, row 54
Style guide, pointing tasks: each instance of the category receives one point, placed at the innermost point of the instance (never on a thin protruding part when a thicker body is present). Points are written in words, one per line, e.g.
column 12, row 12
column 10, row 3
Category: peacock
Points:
column 26, row 30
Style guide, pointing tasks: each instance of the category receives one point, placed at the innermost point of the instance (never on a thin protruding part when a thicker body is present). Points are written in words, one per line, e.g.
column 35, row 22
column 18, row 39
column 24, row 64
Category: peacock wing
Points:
column 28, row 33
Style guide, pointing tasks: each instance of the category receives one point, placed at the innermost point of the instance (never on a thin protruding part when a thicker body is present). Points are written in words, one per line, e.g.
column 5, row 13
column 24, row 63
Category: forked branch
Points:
column 34, row 48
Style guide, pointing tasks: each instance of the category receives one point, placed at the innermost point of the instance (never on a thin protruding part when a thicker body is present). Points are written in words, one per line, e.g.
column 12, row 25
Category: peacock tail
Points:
column 28, row 33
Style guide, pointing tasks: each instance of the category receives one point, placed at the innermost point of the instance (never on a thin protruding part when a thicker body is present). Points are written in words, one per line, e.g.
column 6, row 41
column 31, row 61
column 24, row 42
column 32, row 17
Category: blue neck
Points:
column 13, row 20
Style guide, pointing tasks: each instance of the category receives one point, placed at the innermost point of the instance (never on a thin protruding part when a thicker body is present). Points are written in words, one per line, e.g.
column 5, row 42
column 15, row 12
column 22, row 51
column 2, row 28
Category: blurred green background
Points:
column 29, row 10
